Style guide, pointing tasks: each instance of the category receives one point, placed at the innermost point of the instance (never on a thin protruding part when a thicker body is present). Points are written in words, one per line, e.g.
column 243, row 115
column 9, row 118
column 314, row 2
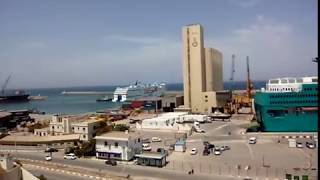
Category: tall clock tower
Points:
column 194, row 77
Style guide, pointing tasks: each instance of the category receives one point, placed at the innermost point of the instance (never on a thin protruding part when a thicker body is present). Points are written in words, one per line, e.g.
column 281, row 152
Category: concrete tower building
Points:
column 213, row 68
column 202, row 71
column 194, row 82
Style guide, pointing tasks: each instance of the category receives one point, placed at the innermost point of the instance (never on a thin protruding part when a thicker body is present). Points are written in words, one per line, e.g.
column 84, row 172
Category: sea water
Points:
column 76, row 104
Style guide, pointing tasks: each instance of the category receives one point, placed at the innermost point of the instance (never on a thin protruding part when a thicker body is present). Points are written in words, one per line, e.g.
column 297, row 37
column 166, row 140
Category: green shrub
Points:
column 120, row 127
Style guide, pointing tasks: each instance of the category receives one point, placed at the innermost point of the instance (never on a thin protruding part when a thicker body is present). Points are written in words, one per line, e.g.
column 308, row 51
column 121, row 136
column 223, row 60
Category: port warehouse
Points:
column 11, row 119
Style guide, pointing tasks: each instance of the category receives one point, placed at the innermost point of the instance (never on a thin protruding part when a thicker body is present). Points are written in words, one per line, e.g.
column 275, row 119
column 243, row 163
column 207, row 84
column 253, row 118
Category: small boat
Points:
column 106, row 98
column 39, row 97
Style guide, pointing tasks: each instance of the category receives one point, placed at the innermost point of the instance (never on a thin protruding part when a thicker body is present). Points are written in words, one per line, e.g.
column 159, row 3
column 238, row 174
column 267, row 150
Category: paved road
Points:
column 137, row 172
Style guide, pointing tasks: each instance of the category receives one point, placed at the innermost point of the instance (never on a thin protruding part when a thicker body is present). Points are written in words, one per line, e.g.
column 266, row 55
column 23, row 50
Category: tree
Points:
column 120, row 127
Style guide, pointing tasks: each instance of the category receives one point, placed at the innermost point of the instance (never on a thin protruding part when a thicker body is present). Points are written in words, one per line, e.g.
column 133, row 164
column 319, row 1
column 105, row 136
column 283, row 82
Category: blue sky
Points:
column 77, row 42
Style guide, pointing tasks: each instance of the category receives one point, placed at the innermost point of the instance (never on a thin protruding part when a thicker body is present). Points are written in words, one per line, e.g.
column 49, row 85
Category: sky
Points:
column 47, row 43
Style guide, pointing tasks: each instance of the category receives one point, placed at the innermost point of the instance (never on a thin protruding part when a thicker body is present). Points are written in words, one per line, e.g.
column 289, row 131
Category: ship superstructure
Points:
column 138, row 90
column 288, row 104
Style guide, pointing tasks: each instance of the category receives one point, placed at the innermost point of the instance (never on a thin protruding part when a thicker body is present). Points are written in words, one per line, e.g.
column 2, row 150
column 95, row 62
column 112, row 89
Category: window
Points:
column 138, row 140
column 284, row 81
column 206, row 96
column 116, row 144
column 274, row 81
column 84, row 129
column 106, row 143
column 314, row 79
column 84, row 136
column 52, row 127
column 291, row 80
column 299, row 80
column 206, row 100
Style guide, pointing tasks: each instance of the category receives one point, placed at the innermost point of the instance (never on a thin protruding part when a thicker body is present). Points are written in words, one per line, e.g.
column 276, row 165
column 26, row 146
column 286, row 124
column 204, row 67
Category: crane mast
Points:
column 5, row 85
column 249, row 83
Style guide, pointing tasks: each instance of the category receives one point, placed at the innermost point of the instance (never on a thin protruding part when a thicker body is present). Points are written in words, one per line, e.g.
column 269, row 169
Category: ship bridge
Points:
column 289, row 84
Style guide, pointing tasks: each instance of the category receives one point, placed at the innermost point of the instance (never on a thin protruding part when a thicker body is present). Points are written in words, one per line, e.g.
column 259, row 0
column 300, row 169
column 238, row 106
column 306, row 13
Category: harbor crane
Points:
column 5, row 84
column 249, row 83
column 232, row 71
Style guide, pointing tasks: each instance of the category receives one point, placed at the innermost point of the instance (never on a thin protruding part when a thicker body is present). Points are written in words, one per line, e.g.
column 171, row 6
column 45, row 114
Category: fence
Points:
column 241, row 170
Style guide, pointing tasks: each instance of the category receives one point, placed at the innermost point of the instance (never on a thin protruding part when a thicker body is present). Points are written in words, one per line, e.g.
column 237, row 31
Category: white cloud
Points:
column 274, row 49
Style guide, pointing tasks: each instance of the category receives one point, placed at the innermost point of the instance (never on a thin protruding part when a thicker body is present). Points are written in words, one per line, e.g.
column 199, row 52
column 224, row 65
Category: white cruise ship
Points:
column 132, row 92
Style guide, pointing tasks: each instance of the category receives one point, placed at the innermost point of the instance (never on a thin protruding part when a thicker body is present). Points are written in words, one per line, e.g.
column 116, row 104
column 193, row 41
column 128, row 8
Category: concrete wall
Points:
column 12, row 174
column 217, row 70
column 27, row 175
column 210, row 100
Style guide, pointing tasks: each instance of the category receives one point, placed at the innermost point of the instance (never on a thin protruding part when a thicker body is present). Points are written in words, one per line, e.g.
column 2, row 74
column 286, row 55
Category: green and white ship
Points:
column 288, row 105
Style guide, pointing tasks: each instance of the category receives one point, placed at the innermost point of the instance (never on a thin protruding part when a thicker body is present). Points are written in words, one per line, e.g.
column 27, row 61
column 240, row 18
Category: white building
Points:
column 62, row 125
column 166, row 121
column 118, row 145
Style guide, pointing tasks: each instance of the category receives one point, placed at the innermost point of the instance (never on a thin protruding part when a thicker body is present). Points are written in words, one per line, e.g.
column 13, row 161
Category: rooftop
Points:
column 38, row 139
column 152, row 155
column 118, row 135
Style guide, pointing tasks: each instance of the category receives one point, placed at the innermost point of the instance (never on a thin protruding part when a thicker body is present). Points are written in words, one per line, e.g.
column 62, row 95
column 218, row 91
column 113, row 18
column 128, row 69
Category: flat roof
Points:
column 118, row 135
column 151, row 155
column 39, row 139
column 4, row 114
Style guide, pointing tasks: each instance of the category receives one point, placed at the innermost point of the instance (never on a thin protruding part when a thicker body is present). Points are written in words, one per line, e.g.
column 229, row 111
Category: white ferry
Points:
column 132, row 92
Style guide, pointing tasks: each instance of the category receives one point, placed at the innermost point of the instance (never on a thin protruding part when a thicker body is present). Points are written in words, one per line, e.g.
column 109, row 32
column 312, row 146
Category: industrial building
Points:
column 202, row 72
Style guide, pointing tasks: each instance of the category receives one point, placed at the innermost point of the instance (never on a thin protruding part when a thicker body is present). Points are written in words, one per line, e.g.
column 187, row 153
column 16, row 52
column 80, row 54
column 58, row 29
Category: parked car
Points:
column 48, row 158
column 171, row 147
column 193, row 151
column 299, row 145
column 310, row 145
column 70, row 156
column 111, row 162
column 146, row 147
column 205, row 152
column 155, row 139
column 209, row 146
column 217, row 152
column 50, row 149
column 252, row 140
column 217, row 148
column 224, row 147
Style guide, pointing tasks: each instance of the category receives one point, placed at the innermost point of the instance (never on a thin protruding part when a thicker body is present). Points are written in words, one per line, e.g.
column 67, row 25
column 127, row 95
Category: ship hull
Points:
column 14, row 98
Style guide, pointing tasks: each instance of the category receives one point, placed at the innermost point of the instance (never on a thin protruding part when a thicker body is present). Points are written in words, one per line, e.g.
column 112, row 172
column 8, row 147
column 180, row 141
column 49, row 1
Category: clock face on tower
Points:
column 194, row 43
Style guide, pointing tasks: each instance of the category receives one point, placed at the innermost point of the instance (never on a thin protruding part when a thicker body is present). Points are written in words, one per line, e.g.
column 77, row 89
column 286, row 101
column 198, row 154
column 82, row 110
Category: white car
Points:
column 146, row 147
column 70, row 156
column 299, row 145
column 48, row 158
column 217, row 152
column 193, row 151
column 155, row 139
column 252, row 140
